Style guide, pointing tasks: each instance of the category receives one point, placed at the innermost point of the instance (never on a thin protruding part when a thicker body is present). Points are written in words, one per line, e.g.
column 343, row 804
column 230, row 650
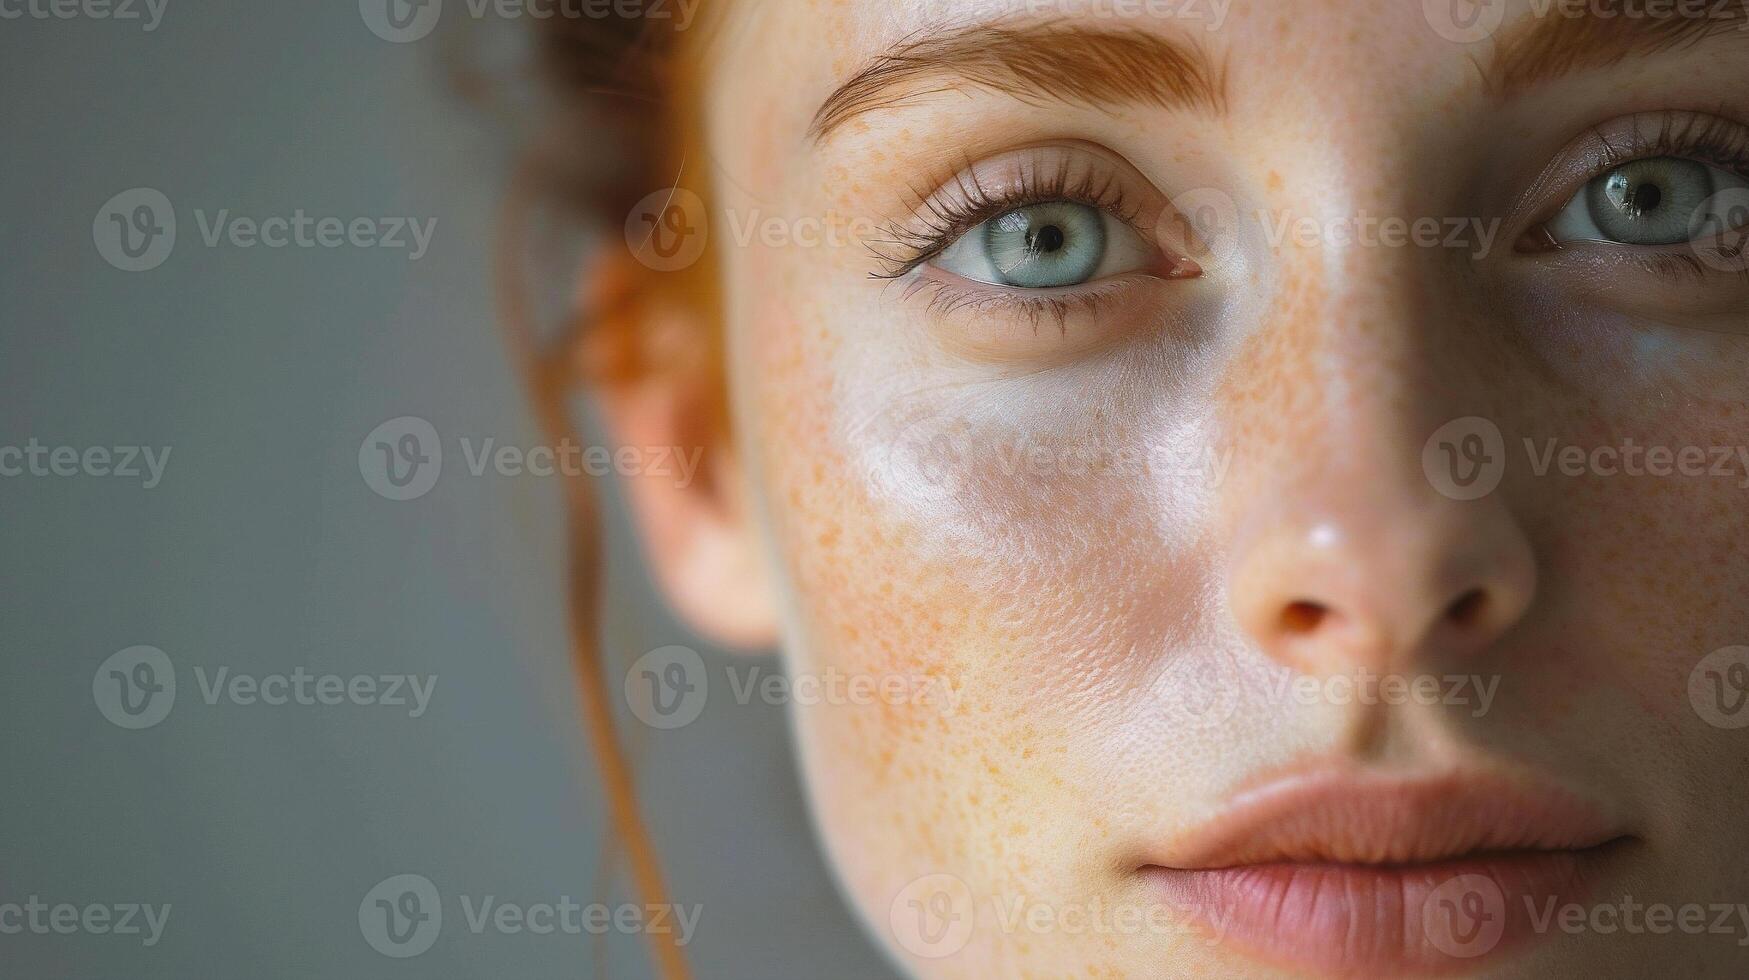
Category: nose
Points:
column 1378, row 577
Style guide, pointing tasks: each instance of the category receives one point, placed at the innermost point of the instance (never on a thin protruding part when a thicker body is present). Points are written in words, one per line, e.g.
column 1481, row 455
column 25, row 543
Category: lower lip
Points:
column 1371, row 920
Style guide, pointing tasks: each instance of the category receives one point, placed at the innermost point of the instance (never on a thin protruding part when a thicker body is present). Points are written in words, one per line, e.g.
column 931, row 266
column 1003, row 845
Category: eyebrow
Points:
column 1034, row 64
column 1540, row 49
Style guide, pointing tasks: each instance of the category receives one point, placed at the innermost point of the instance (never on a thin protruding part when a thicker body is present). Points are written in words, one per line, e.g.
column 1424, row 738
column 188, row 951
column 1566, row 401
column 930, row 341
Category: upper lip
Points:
column 1346, row 818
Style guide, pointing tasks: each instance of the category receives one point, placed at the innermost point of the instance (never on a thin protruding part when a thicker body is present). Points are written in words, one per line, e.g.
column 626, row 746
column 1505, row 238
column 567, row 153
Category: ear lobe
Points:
column 662, row 403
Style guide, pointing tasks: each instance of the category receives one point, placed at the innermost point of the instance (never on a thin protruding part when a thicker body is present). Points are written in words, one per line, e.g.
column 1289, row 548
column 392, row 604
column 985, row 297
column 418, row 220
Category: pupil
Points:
column 1645, row 198
column 1046, row 239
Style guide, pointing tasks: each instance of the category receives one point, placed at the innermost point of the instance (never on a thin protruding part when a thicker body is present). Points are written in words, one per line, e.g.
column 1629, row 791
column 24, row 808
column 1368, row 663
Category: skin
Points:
column 1086, row 620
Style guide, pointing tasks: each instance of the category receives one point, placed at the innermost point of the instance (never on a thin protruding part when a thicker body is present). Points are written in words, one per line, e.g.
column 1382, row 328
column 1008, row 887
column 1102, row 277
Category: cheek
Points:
column 940, row 675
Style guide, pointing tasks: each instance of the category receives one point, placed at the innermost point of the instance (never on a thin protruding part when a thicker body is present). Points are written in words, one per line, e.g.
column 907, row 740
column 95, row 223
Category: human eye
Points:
column 1664, row 200
column 1056, row 231
column 1658, row 180
column 1052, row 244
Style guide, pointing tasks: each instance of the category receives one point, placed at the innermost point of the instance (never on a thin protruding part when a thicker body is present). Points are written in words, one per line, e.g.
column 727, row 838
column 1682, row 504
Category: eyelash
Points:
column 946, row 216
column 1711, row 138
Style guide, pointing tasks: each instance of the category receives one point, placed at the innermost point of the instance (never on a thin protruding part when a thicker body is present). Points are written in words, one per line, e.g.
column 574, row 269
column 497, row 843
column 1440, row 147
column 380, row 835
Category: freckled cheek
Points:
column 863, row 599
column 869, row 604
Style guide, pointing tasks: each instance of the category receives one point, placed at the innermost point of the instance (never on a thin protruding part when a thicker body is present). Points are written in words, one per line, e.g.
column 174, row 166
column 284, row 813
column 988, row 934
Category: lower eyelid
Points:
column 1038, row 327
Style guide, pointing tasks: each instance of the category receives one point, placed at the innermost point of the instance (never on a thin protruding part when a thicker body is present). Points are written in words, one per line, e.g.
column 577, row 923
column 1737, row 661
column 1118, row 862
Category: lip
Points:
column 1364, row 875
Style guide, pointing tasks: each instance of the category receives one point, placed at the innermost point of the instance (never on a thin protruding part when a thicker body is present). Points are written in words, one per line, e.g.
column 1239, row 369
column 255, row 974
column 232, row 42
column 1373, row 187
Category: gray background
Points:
column 263, row 548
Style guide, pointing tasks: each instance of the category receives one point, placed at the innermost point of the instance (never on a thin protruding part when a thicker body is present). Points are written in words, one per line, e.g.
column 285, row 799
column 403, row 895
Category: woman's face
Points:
column 1260, row 485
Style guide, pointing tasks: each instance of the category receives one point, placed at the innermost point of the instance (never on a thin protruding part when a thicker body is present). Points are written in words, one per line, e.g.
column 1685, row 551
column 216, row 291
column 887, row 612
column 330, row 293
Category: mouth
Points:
column 1350, row 876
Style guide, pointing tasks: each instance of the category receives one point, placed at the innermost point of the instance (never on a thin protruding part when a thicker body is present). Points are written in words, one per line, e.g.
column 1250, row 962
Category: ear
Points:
column 659, row 381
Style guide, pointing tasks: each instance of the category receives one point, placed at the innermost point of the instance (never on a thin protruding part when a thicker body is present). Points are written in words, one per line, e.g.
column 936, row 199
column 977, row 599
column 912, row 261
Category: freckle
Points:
column 829, row 537
column 1274, row 181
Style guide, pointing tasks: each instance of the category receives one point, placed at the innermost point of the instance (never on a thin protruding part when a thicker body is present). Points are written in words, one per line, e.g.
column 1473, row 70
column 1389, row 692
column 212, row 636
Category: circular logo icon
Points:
column 1465, row 458
column 932, row 917
column 666, row 688
column 135, row 230
column 667, row 230
column 1718, row 688
column 1719, row 230
column 931, row 455
column 401, row 458
column 401, row 916
column 136, row 687
column 1465, row 916
column 1204, row 221
column 400, row 21
column 1200, row 689
column 1464, row 21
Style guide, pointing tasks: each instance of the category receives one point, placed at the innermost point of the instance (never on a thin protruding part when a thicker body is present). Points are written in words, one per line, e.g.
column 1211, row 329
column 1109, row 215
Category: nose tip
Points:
column 1330, row 594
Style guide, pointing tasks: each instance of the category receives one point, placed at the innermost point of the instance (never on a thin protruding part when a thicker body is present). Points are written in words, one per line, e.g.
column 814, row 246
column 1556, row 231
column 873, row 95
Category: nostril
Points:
column 1466, row 610
column 1303, row 616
